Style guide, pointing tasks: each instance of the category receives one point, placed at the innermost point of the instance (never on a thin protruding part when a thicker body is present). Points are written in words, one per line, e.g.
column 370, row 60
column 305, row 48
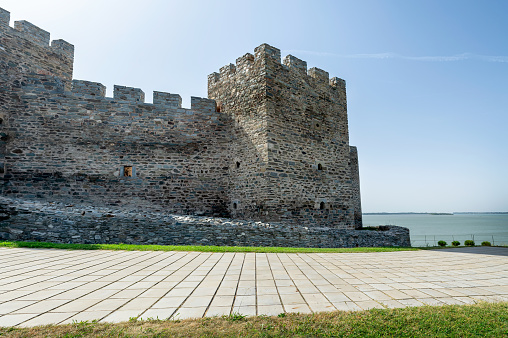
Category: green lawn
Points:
column 133, row 247
column 479, row 320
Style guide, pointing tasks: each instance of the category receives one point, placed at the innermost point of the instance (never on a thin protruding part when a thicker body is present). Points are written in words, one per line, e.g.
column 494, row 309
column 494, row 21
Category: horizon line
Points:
column 425, row 212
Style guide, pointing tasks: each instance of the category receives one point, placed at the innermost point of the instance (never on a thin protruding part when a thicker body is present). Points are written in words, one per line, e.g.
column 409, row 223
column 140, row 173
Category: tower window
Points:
column 128, row 171
column 235, row 206
column 322, row 205
column 237, row 165
column 319, row 166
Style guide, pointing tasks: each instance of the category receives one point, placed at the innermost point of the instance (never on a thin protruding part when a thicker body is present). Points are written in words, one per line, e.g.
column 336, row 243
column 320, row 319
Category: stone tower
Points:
column 290, row 158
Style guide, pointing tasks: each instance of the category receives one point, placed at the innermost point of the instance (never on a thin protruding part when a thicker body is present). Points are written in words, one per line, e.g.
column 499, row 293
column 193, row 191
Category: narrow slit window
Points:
column 319, row 166
column 127, row 171
column 322, row 205
column 235, row 205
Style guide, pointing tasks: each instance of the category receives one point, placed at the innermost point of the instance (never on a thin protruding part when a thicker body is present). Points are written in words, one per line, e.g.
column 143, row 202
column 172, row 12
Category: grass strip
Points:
column 478, row 320
column 201, row 248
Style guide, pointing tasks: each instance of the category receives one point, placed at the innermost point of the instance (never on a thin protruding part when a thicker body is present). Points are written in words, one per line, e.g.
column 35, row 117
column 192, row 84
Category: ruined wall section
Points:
column 75, row 147
column 53, row 222
column 239, row 91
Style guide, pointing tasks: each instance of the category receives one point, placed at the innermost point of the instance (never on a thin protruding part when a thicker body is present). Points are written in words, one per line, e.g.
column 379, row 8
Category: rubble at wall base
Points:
column 31, row 220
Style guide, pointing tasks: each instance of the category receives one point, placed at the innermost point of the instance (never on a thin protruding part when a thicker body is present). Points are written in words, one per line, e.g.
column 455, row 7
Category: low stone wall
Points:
column 22, row 220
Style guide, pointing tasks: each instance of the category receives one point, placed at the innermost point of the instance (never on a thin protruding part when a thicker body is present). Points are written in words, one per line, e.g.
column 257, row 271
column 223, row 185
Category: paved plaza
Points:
column 42, row 286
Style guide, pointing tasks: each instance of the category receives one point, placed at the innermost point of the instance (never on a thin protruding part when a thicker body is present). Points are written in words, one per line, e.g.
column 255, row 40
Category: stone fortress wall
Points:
column 66, row 141
column 270, row 143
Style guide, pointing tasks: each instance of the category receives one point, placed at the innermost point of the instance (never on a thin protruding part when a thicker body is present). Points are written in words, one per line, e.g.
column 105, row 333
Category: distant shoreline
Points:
column 437, row 213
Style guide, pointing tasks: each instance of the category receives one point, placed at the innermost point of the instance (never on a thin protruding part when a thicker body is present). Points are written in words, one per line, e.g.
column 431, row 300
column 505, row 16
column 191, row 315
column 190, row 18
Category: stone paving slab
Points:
column 43, row 286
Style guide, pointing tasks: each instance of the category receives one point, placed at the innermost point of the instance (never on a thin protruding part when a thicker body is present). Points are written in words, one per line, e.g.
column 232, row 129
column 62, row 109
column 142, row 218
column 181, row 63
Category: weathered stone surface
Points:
column 60, row 223
column 270, row 144
column 291, row 141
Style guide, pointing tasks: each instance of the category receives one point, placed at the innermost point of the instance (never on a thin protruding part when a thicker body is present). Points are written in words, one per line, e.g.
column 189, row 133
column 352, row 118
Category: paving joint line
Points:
column 256, row 282
column 52, row 286
column 275, row 282
column 310, row 280
column 297, row 288
column 237, row 282
column 35, row 269
column 79, row 297
column 188, row 262
column 327, row 281
column 218, row 287
column 180, row 306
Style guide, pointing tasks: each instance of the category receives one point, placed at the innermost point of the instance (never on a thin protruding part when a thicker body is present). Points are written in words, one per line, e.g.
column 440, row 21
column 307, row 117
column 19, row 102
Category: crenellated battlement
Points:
column 267, row 52
column 296, row 64
column 203, row 104
column 337, row 82
column 63, row 47
column 123, row 97
column 245, row 62
column 267, row 57
column 319, row 75
column 128, row 94
column 5, row 17
column 86, row 116
column 167, row 100
column 88, row 88
column 34, row 34
column 227, row 70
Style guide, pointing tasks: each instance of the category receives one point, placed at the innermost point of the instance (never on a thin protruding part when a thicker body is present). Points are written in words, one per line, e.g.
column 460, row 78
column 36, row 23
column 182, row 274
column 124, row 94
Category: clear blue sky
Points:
column 427, row 80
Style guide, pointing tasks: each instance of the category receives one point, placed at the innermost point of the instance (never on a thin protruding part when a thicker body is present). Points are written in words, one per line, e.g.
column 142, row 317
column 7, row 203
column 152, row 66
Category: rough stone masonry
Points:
column 268, row 152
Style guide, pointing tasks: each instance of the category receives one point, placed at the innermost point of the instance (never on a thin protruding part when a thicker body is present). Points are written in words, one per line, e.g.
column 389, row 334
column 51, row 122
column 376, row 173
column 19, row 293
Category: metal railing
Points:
column 432, row 240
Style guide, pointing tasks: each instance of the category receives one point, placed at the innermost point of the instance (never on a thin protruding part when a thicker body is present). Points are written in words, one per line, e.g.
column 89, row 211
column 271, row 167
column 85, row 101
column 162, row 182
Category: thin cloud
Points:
column 450, row 58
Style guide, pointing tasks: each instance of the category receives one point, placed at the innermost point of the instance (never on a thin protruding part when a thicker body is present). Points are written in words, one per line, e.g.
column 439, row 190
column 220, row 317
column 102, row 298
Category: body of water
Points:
column 428, row 229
